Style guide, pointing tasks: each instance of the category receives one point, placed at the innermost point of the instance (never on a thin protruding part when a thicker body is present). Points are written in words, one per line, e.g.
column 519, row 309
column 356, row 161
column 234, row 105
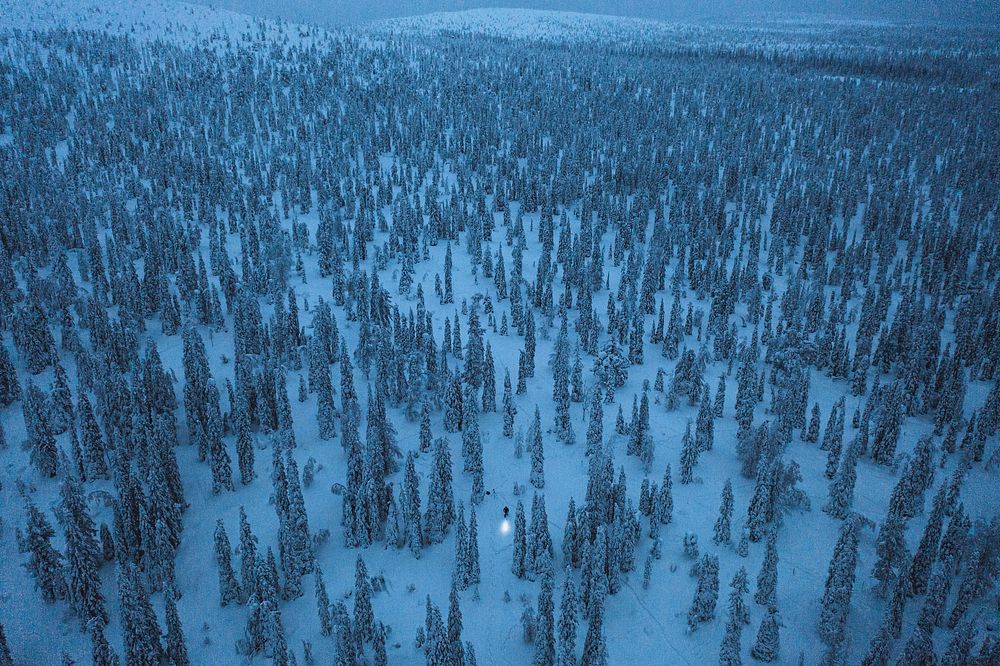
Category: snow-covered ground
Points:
column 643, row 626
column 534, row 25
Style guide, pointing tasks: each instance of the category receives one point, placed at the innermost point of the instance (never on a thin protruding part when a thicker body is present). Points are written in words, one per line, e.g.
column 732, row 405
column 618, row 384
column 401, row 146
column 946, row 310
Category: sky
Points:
column 337, row 12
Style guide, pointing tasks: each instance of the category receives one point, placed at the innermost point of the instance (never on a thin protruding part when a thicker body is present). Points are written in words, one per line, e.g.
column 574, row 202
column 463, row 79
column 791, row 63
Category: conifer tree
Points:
column 842, row 488
column 45, row 562
column 689, row 456
column 705, row 425
column 5, row 657
column 767, row 646
column 60, row 402
column 767, row 579
column 83, row 554
column 722, row 523
column 707, row 592
column 571, row 537
column 176, row 649
column 540, row 551
column 41, row 444
column 229, row 590
column 509, row 409
column 567, row 624
column 140, row 629
column 520, row 549
column 222, row 471
column 364, row 618
column 411, row 507
column 545, row 643
column 378, row 646
column 595, row 646
column 322, row 603
column 454, row 636
column 248, row 557
column 959, row 648
column 927, row 550
column 729, row 653
column 663, row 503
column 10, row 389
column 94, row 450
column 440, row 502
column 472, row 572
column 836, row 601
column 461, row 547
column 536, row 447
column 101, row 652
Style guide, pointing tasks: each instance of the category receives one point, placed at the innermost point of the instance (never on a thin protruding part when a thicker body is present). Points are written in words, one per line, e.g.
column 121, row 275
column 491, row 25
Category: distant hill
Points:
column 335, row 12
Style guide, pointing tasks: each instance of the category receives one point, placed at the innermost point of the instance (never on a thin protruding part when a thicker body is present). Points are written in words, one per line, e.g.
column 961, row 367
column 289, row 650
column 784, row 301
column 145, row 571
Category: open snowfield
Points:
column 421, row 148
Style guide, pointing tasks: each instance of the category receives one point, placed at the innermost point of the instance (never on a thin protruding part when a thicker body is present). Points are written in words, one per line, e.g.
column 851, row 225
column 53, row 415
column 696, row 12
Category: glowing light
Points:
column 505, row 527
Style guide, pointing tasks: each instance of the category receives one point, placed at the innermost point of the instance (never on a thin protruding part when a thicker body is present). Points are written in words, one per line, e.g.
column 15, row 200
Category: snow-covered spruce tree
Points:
column 176, row 648
column 323, row 386
column 461, row 547
column 540, row 552
column 140, row 629
column 722, row 524
column 545, row 642
column 322, row 603
column 707, row 593
column 595, row 427
column 344, row 644
column 689, row 456
column 842, row 487
column 40, row 443
column 520, row 547
column 60, row 402
column 410, row 503
column 663, row 501
column 571, row 537
column 101, row 652
column 454, row 635
column 5, row 656
column 767, row 646
column 881, row 645
column 729, row 652
column 45, row 563
column 249, row 566
column 440, row 499
column 836, row 601
column 229, row 590
column 890, row 546
column 927, row 550
column 489, row 400
column 83, row 554
column 364, row 618
column 94, row 450
column 298, row 559
column 595, row 645
column 10, row 389
column 566, row 655
column 705, row 425
column 222, row 471
column 197, row 377
column 472, row 570
column 767, row 579
column 509, row 408
column 536, row 447
column 959, row 650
